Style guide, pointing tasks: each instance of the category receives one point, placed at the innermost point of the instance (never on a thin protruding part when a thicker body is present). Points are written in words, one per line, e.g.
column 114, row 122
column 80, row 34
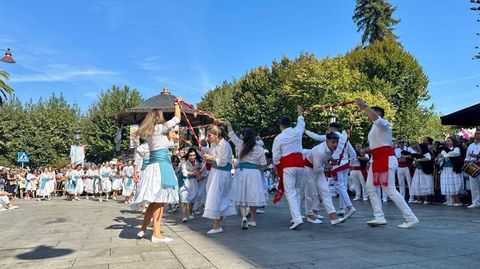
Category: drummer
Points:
column 473, row 155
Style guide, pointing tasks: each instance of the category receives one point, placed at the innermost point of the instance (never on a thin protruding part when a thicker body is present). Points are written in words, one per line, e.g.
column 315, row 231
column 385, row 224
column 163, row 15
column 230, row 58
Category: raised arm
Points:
column 300, row 127
column 315, row 136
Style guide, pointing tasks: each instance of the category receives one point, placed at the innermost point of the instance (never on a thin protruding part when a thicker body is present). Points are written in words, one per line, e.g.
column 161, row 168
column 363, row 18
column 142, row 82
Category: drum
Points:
column 472, row 169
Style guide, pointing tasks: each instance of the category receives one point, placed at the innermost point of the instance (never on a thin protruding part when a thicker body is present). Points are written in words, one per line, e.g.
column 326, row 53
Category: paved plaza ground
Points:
column 90, row 234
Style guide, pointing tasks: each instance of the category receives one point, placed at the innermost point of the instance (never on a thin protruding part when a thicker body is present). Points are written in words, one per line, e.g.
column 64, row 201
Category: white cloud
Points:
column 63, row 73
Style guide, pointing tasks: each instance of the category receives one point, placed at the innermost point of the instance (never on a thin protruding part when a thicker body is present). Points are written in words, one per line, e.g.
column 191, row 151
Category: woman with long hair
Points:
column 422, row 181
column 247, row 187
column 192, row 172
column 158, row 185
column 451, row 177
column 218, row 203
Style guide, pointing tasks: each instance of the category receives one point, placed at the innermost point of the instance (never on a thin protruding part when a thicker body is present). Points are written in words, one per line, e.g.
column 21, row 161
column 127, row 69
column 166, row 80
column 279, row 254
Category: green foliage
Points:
column 99, row 127
column 4, row 88
column 405, row 84
column 375, row 19
column 44, row 129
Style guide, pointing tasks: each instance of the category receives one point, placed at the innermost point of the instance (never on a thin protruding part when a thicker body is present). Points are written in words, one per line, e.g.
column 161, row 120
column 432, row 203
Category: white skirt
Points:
column 189, row 192
column 46, row 190
column 106, row 185
column 149, row 189
column 79, row 186
column 218, row 202
column 201, row 191
column 422, row 184
column 88, row 185
column 117, row 184
column 248, row 188
column 451, row 183
column 128, row 190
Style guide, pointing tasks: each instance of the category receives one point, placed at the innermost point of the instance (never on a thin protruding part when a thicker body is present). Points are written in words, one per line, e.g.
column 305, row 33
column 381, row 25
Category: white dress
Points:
column 451, row 183
column 88, row 181
column 248, row 186
column 75, row 182
column 128, row 185
column 218, row 202
column 44, row 188
column 158, row 185
column 117, row 182
column 105, row 182
column 422, row 183
column 189, row 191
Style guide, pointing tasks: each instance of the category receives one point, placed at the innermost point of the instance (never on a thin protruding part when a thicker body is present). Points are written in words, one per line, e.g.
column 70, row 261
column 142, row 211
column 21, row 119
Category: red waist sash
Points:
column 380, row 165
column 334, row 171
column 403, row 164
column 307, row 163
column 291, row 160
column 361, row 169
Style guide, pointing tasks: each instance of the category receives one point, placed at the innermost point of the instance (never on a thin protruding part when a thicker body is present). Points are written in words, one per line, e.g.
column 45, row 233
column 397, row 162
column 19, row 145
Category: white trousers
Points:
column 317, row 186
column 341, row 189
column 359, row 184
column 403, row 174
column 475, row 188
column 390, row 190
column 292, row 179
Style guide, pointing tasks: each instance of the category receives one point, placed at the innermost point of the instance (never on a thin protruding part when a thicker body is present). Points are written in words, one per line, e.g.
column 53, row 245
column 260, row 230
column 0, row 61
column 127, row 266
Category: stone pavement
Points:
column 90, row 234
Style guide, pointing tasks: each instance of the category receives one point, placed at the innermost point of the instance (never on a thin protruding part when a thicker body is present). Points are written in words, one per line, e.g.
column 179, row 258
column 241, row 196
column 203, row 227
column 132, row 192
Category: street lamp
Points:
column 8, row 57
column 76, row 135
column 331, row 116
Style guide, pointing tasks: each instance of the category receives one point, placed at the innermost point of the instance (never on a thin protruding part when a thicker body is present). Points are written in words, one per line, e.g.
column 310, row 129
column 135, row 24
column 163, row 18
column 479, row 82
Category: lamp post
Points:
column 76, row 135
column 331, row 117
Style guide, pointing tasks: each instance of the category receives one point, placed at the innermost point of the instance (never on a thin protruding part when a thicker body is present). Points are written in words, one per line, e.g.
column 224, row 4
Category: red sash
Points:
column 403, row 164
column 380, row 165
column 291, row 160
column 334, row 172
column 307, row 163
column 208, row 166
column 361, row 169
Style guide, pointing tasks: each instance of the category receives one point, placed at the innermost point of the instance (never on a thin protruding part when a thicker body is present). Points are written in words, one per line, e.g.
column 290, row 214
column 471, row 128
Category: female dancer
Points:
column 218, row 202
column 451, row 177
column 158, row 185
column 192, row 171
column 248, row 189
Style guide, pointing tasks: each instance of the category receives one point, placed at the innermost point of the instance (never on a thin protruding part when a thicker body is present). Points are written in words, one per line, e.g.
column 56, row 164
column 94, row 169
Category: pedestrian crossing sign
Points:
column 22, row 157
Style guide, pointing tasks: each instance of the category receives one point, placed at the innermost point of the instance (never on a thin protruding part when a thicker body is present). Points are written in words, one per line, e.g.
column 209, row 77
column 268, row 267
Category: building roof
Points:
column 469, row 116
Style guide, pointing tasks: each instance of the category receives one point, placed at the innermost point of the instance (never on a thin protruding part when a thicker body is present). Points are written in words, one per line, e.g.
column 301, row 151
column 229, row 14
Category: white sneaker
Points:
column 99, row 199
column 215, row 231
column 106, row 199
column 357, row 199
column 426, row 202
column 320, row 217
column 474, row 206
column 365, row 199
column 244, row 224
column 295, row 225
column 408, row 224
column 114, row 198
column 316, row 221
column 184, row 220
column 161, row 240
column 351, row 212
column 376, row 222
column 141, row 234
column 341, row 212
column 385, row 201
column 126, row 202
column 337, row 221
column 261, row 211
column 252, row 224
column 191, row 217
column 87, row 198
column 39, row 199
column 457, row 204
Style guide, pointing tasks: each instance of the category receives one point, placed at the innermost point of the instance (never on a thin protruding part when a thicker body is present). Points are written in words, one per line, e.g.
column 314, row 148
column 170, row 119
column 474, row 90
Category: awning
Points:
column 469, row 116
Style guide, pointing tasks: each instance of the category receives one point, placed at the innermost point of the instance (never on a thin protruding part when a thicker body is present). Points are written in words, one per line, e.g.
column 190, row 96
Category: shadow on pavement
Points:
column 128, row 227
column 44, row 252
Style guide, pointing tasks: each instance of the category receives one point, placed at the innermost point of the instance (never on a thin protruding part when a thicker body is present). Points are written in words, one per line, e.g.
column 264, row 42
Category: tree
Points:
column 43, row 129
column 100, row 127
column 375, row 19
column 4, row 88
column 405, row 83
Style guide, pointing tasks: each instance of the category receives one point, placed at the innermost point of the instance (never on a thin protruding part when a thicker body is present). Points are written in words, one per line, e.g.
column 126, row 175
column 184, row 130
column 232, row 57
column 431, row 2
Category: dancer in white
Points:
column 342, row 155
column 382, row 170
column 218, row 202
column 47, row 184
column 287, row 156
column 315, row 163
column 90, row 180
column 473, row 155
column 159, row 185
column 193, row 171
column 451, row 177
column 358, row 173
column 128, row 183
column 75, row 183
column 404, row 167
column 248, row 186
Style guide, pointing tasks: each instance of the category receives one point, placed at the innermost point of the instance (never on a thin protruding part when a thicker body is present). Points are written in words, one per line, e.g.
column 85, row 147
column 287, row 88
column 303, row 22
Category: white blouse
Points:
column 159, row 138
column 256, row 155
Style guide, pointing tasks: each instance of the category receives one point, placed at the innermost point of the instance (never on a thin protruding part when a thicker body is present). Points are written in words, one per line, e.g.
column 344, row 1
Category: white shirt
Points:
column 380, row 135
column 319, row 156
column 288, row 141
column 256, row 155
column 159, row 138
column 398, row 151
column 92, row 173
column 141, row 153
column 453, row 153
column 222, row 152
column 127, row 171
column 475, row 149
column 348, row 153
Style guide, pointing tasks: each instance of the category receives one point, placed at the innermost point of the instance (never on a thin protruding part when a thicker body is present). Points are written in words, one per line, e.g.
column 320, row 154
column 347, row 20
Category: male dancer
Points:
column 287, row 156
column 382, row 170
column 342, row 154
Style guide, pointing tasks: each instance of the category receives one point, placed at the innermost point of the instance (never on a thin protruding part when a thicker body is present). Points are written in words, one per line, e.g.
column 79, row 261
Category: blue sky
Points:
column 81, row 47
